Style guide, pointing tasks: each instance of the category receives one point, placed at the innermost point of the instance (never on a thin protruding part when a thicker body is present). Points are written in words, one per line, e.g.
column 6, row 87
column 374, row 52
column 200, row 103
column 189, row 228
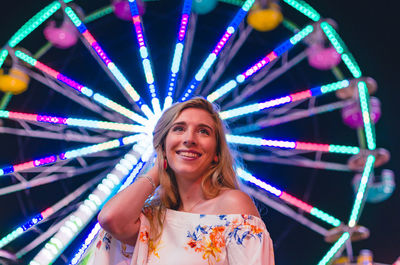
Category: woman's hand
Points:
column 120, row 215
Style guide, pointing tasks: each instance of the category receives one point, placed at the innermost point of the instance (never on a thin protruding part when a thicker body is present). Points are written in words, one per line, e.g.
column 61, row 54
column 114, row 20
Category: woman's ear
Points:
column 216, row 159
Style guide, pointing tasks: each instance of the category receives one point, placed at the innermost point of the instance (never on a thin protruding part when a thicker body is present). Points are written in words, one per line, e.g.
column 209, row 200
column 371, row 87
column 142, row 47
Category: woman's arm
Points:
column 120, row 215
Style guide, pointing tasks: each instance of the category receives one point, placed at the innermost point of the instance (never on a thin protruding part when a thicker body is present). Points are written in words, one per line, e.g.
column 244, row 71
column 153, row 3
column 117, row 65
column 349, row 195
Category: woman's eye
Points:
column 204, row 131
column 177, row 128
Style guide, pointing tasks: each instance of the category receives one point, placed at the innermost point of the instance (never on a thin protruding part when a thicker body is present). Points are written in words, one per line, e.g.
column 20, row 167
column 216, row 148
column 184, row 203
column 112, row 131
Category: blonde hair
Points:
column 220, row 175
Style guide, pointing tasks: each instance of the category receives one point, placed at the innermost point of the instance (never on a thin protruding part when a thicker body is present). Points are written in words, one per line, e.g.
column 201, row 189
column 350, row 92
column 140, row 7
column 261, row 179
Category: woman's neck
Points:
column 191, row 194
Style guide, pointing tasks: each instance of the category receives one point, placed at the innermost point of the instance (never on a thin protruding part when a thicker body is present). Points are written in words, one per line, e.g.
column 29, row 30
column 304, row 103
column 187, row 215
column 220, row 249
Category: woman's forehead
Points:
column 195, row 116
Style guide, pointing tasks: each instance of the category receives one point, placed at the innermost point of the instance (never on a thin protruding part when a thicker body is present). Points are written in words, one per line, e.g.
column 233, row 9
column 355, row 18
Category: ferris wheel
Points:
column 84, row 83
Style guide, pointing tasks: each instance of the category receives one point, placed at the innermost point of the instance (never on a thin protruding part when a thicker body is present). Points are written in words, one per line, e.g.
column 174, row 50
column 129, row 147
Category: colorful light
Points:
column 33, row 23
column 3, row 56
column 365, row 109
column 79, row 218
column 143, row 51
column 355, row 212
column 304, row 8
column 72, row 121
column 104, row 58
column 177, row 58
column 217, row 49
column 334, row 249
column 72, row 154
column 86, row 211
column 341, row 48
column 92, row 235
column 256, row 141
column 252, row 108
column 288, row 198
column 84, row 90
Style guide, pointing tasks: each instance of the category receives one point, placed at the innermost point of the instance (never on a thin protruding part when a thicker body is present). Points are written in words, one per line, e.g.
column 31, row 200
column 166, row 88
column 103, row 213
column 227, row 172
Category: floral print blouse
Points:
column 189, row 238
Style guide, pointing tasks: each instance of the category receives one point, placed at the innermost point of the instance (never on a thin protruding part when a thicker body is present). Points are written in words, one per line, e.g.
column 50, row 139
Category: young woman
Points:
column 197, row 215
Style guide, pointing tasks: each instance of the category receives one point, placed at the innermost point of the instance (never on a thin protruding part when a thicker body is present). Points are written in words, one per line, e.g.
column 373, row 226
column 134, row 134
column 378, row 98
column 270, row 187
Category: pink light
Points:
column 46, row 213
column 222, row 43
column 44, row 161
column 88, row 37
column 22, row 116
column 312, row 146
column 272, row 56
column 300, row 95
column 296, row 202
column 53, row 73
column 136, row 20
column 23, row 166
column 51, row 119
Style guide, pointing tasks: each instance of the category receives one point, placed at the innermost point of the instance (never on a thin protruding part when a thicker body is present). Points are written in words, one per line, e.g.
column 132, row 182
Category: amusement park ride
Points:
column 277, row 69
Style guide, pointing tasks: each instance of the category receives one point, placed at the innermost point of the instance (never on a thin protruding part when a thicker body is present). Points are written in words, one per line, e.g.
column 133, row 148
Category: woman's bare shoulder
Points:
column 231, row 201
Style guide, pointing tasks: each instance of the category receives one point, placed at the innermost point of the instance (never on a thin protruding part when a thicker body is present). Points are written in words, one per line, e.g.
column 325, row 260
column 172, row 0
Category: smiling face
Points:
column 190, row 145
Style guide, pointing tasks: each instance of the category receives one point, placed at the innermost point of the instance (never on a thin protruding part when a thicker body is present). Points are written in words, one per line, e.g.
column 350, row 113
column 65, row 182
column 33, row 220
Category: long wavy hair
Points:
column 221, row 174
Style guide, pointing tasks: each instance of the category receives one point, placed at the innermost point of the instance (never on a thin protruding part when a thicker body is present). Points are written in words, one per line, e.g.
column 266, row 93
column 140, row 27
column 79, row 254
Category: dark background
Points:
column 369, row 30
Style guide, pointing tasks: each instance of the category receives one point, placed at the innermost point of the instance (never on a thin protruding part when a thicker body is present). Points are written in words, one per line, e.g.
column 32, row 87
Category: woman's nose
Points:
column 189, row 138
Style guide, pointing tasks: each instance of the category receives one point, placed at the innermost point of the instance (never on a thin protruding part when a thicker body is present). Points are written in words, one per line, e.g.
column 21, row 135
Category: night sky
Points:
column 369, row 30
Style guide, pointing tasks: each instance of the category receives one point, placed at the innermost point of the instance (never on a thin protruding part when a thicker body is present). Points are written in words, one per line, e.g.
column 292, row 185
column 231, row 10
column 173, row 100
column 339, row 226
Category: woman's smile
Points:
column 191, row 144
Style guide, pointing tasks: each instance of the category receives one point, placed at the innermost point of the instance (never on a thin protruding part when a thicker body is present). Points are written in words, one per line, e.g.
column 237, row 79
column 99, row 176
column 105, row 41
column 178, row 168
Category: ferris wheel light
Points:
column 365, row 109
column 260, row 64
column 334, row 249
column 369, row 164
column 304, row 8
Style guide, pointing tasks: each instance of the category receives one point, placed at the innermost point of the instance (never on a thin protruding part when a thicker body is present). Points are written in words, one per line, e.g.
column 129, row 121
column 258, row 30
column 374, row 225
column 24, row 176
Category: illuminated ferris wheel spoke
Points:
column 210, row 60
column 304, row 8
column 329, row 148
column 292, row 116
column 81, row 89
column 64, row 90
column 178, row 53
column 295, row 161
column 305, row 94
column 72, row 154
column 45, row 214
column 111, row 67
column 251, row 88
column 276, row 53
column 63, row 173
column 246, row 176
column 128, row 167
column 144, row 54
column 362, row 191
column 85, row 123
column 243, row 33
column 65, row 136
column 284, row 209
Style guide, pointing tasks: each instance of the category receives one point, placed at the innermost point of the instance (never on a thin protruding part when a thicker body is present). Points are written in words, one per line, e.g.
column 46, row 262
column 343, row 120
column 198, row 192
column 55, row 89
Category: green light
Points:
column 341, row 48
column 355, row 213
column 334, row 86
column 233, row 2
column 10, row 237
column 335, row 248
column 3, row 114
column 25, row 58
column 3, row 56
column 33, row 23
column 325, row 217
column 74, row 18
column 304, row 8
column 301, row 35
column 368, row 125
column 342, row 149
column 99, row 13
column 333, row 37
column 247, row 5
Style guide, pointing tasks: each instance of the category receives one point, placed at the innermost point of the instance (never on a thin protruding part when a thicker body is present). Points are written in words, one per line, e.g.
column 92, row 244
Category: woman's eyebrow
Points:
column 199, row 125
